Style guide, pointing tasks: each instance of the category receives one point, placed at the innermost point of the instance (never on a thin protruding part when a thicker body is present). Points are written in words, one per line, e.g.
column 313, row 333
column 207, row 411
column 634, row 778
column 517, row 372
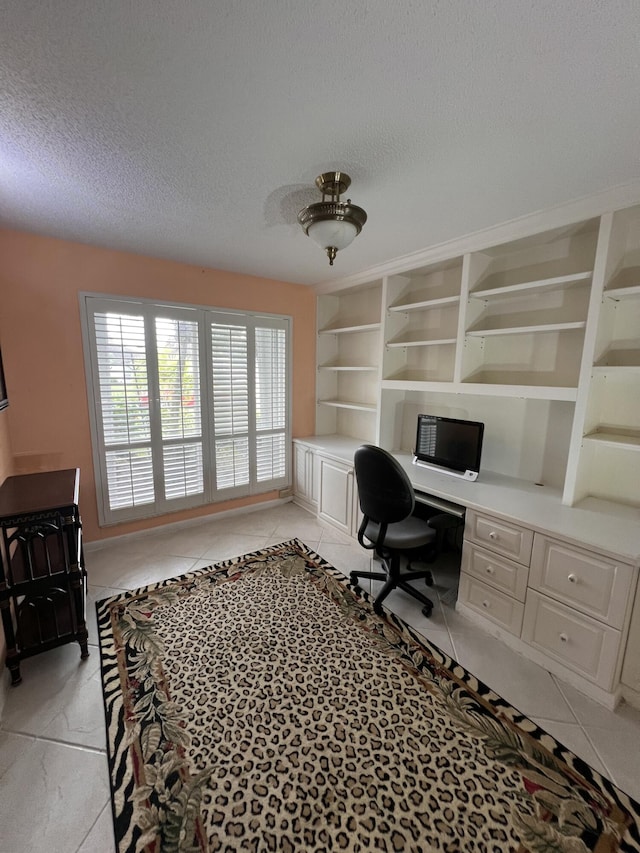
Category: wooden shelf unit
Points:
column 536, row 336
column 42, row 576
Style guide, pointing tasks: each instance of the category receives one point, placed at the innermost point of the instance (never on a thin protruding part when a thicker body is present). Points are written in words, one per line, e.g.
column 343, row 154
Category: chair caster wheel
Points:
column 427, row 610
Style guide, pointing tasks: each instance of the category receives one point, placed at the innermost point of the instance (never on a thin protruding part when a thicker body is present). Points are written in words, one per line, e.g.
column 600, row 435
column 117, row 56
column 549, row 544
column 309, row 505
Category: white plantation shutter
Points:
column 189, row 405
column 230, row 386
column 271, row 402
column 178, row 354
column 120, row 348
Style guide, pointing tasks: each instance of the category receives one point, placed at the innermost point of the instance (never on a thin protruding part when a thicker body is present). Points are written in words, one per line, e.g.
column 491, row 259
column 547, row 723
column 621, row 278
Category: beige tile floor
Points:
column 54, row 789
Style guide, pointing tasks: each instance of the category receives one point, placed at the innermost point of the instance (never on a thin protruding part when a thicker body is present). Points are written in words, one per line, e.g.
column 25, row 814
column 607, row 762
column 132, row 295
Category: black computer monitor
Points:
column 450, row 445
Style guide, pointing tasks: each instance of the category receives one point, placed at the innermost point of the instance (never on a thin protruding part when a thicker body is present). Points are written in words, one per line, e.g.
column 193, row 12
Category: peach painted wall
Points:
column 40, row 279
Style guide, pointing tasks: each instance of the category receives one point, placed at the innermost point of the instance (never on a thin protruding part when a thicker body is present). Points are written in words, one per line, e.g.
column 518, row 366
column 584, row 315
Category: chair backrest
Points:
column 384, row 489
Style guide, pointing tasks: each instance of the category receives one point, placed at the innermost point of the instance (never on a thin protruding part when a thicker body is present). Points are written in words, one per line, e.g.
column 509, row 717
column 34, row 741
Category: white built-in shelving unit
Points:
column 606, row 462
column 421, row 324
column 533, row 328
column 349, row 326
column 534, row 332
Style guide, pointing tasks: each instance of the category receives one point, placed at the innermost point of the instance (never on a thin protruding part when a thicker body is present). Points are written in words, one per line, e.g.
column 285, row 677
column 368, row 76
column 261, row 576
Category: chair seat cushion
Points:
column 411, row 533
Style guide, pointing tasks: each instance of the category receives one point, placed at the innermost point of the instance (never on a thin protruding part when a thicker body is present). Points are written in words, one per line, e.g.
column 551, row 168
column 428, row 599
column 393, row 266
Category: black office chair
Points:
column 389, row 526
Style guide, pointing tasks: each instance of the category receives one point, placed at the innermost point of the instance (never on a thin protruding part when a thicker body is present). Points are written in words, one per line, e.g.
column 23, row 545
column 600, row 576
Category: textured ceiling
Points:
column 194, row 129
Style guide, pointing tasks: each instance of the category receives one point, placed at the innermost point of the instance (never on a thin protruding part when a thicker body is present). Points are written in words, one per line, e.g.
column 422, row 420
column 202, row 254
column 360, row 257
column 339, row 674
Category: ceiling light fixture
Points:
column 333, row 224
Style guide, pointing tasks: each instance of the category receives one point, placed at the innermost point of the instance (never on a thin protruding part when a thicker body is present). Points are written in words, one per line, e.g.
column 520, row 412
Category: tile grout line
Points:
column 58, row 741
column 609, row 773
column 107, row 805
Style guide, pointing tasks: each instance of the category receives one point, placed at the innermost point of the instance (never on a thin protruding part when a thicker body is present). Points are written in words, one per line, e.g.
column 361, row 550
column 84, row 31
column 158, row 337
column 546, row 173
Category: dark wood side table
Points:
column 43, row 582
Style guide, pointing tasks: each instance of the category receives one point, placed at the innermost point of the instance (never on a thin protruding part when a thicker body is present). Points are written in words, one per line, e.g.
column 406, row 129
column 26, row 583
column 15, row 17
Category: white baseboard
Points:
column 631, row 696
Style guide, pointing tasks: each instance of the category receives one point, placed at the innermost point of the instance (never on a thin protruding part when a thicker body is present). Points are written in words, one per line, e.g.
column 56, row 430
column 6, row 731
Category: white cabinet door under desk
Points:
column 305, row 475
column 337, row 494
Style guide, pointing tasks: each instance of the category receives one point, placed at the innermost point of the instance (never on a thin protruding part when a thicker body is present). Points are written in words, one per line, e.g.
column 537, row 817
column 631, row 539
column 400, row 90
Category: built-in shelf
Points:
column 348, row 358
column 349, row 368
column 626, row 285
column 513, row 384
column 420, row 343
column 414, row 381
column 340, row 330
column 424, row 304
column 526, row 330
column 627, row 439
column 487, row 383
column 532, row 287
column 345, row 404
column 618, row 359
column 620, row 293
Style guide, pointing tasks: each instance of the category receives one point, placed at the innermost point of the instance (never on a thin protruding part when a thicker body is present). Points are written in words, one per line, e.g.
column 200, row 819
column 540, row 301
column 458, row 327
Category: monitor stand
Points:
column 463, row 475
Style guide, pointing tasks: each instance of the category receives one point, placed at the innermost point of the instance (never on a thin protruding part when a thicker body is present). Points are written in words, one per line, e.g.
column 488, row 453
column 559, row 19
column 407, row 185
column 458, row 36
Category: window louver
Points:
column 271, row 402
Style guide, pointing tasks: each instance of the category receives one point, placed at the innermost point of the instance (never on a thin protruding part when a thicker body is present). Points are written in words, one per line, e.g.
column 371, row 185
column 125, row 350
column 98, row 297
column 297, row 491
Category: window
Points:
column 188, row 405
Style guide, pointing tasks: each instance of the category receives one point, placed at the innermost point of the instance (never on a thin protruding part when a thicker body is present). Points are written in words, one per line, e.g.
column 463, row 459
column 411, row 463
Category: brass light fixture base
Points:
column 333, row 184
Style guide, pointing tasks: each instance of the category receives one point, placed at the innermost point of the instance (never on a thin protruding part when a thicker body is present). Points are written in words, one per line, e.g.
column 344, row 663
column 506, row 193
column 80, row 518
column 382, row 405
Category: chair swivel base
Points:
column 393, row 581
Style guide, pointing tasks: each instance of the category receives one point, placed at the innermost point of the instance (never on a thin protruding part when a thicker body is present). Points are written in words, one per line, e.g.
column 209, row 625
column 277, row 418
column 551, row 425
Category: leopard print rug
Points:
column 260, row 705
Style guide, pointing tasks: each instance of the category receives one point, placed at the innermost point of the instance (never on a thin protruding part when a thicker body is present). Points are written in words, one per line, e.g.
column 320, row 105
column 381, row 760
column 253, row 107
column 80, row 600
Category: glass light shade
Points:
column 328, row 233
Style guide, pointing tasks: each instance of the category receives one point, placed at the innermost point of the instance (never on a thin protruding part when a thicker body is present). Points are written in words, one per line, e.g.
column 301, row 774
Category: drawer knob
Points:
column 564, row 637
column 485, row 603
column 572, row 578
column 490, row 570
column 493, row 535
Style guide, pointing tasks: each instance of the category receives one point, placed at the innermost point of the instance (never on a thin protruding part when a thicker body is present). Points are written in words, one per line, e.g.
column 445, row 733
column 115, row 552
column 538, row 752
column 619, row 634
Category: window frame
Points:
column 205, row 315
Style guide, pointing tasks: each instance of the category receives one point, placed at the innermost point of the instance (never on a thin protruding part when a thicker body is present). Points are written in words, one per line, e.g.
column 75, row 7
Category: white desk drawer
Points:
column 503, row 537
column 576, row 641
column 595, row 585
column 491, row 603
column 505, row 575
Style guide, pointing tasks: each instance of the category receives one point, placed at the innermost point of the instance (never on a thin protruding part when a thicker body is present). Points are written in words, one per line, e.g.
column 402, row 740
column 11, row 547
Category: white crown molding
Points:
column 614, row 198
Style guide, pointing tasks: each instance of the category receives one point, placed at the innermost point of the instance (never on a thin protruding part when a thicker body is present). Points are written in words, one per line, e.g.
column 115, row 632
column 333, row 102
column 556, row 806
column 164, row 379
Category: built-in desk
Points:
column 609, row 529
column 555, row 582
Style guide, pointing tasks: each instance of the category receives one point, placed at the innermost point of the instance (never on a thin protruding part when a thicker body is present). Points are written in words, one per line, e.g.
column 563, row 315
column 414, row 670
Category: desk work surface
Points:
column 606, row 527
